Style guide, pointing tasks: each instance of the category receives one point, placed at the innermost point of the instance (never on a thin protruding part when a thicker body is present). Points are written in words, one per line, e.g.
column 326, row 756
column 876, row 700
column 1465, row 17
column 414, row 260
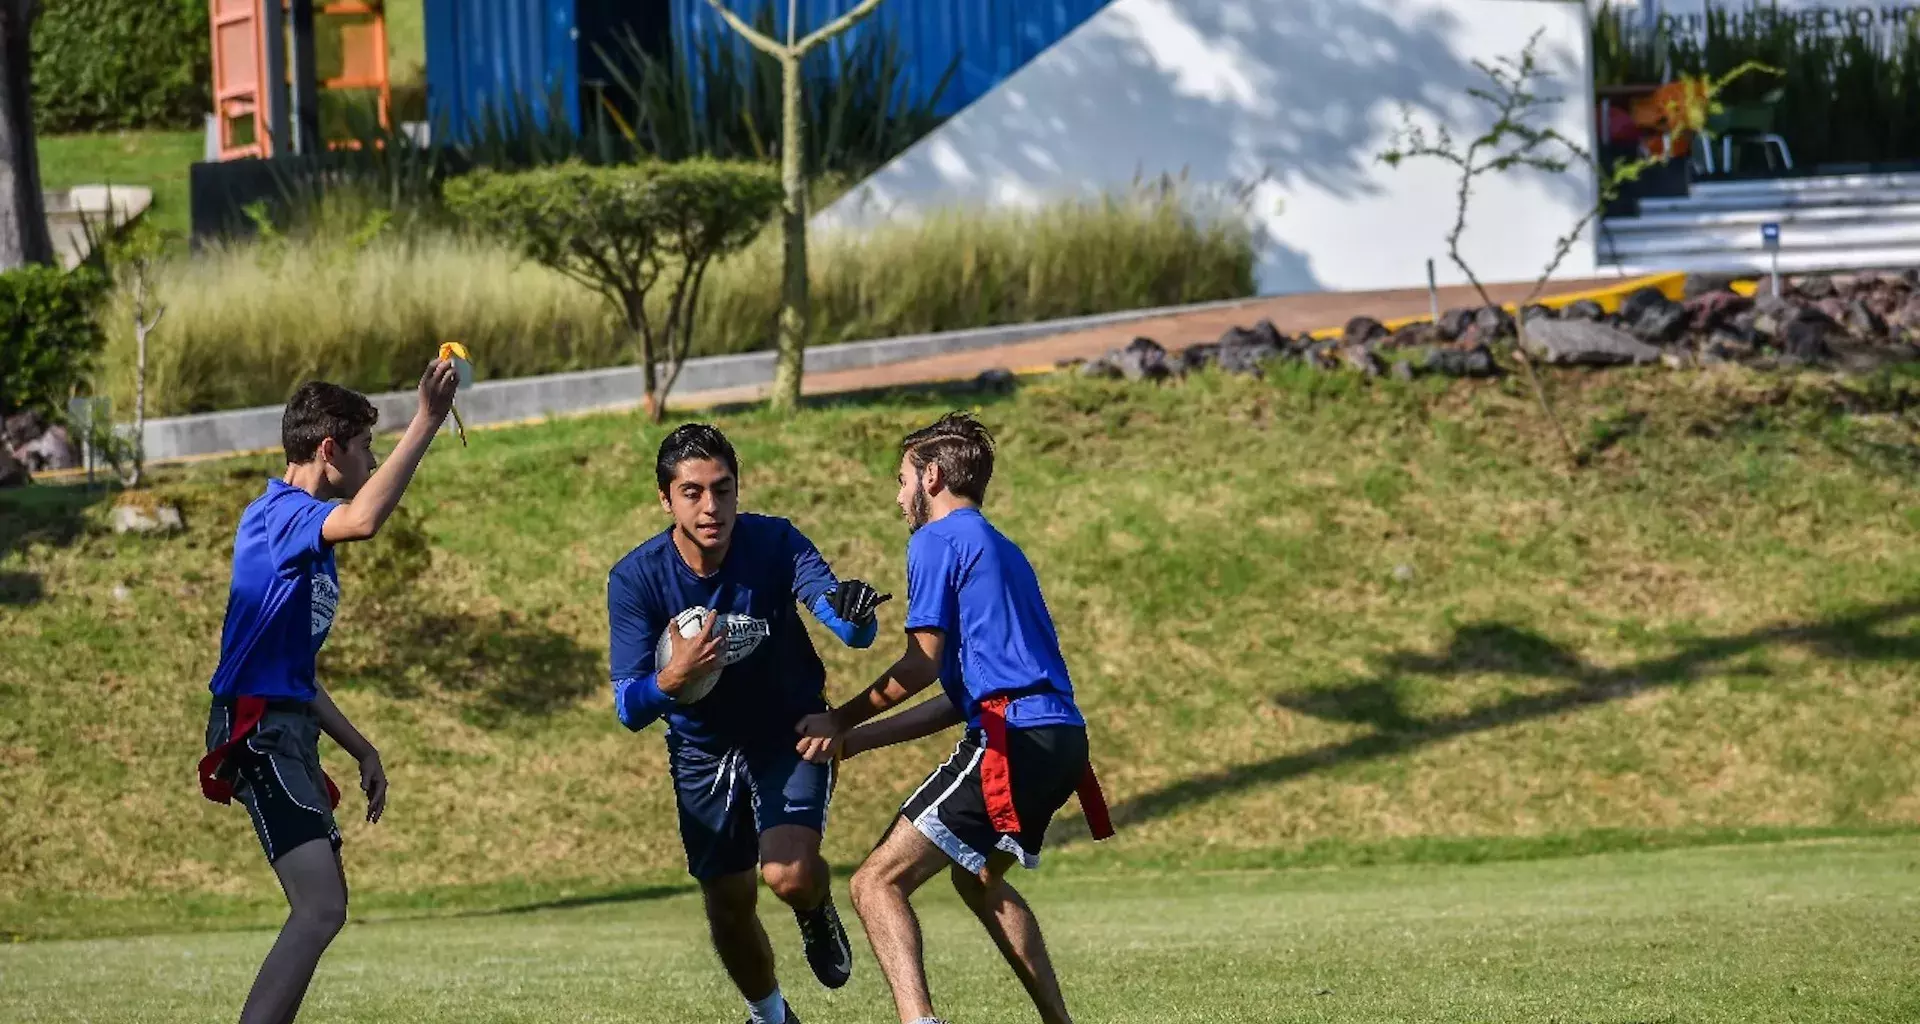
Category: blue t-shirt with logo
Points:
column 281, row 603
column 969, row 581
column 772, row 677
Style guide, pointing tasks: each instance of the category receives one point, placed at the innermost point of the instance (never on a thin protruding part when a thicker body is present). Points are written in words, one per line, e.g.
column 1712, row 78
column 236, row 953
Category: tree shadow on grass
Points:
column 20, row 588
column 508, row 666
column 45, row 514
column 1502, row 648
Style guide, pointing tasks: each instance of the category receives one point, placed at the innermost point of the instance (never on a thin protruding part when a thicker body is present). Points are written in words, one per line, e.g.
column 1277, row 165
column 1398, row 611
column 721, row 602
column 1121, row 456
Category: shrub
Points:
column 650, row 229
column 247, row 322
column 105, row 64
column 48, row 338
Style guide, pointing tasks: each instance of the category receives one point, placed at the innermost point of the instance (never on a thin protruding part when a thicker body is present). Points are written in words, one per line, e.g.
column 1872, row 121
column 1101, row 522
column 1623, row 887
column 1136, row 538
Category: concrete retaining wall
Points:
column 506, row 401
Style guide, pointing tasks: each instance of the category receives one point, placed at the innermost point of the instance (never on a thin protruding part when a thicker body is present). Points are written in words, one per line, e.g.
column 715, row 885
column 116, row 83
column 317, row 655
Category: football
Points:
column 689, row 623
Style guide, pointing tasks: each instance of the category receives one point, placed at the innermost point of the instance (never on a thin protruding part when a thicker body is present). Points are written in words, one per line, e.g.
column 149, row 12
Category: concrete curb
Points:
column 523, row 398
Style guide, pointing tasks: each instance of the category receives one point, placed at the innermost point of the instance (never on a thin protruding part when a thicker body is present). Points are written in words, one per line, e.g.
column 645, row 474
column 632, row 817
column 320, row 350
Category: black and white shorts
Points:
column 1044, row 768
column 277, row 776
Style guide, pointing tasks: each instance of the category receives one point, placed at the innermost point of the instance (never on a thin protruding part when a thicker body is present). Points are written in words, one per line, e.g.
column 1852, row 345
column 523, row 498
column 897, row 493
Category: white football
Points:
column 689, row 623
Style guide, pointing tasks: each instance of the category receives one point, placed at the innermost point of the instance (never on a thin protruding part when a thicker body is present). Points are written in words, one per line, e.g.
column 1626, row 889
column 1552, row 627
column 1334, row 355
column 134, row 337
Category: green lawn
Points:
column 156, row 160
column 1311, row 619
column 1801, row 932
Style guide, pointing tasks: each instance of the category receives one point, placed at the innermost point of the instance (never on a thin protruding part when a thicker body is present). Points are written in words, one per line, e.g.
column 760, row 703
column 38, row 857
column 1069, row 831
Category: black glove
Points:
column 854, row 601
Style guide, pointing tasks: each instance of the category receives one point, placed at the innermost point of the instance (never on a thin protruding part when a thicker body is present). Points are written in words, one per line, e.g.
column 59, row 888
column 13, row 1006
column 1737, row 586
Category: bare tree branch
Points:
column 770, row 47
column 834, row 27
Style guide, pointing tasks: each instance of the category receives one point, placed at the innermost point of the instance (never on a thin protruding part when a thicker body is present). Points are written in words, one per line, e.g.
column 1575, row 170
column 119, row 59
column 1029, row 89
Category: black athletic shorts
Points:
column 277, row 776
column 1044, row 768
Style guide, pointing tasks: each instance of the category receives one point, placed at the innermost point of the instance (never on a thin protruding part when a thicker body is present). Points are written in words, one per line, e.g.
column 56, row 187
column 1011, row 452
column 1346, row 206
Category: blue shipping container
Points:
column 490, row 58
column 991, row 38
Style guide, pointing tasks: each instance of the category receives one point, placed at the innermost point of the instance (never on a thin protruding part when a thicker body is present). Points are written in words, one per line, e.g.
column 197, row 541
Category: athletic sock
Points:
column 771, row 1010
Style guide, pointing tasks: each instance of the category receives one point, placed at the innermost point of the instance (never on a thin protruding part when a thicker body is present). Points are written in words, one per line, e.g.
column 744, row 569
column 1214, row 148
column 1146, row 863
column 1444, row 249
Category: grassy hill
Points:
column 1311, row 619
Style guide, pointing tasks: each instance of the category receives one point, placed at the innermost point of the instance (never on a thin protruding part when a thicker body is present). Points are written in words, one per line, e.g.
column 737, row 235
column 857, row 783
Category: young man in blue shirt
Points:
column 732, row 694
column 268, row 709
column 976, row 621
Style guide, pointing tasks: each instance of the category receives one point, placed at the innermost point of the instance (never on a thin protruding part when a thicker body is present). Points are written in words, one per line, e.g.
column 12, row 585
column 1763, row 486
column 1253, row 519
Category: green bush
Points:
column 48, row 337
column 106, row 64
column 245, row 323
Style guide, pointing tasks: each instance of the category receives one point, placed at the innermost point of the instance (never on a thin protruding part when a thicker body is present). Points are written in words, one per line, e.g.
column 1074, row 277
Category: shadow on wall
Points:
column 1302, row 95
column 1882, row 633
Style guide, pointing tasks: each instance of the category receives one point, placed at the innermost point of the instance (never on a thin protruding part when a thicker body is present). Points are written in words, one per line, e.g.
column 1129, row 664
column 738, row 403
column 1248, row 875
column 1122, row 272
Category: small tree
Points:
column 135, row 258
column 795, row 302
column 1515, row 142
column 23, row 214
column 629, row 233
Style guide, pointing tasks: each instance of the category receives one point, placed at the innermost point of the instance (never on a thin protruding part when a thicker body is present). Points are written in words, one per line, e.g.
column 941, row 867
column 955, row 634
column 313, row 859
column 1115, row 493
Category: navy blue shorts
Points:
column 727, row 799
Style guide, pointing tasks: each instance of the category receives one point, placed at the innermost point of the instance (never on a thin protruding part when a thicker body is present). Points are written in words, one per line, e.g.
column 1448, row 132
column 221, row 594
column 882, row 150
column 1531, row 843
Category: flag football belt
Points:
column 215, row 784
column 996, row 781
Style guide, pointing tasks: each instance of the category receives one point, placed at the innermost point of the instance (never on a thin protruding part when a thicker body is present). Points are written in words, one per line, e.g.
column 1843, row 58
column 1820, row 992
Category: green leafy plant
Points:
column 623, row 231
column 48, row 337
column 107, row 64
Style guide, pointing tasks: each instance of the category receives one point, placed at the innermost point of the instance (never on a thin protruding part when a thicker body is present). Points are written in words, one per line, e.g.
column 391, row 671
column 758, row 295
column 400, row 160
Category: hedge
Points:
column 100, row 65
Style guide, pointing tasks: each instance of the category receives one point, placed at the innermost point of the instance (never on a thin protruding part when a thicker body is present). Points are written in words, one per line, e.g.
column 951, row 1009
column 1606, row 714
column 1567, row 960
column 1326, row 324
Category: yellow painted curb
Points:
column 1672, row 285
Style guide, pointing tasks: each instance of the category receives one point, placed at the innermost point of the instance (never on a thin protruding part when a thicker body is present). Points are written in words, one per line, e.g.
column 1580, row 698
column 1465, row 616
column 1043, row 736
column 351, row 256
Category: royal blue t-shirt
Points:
column 969, row 581
column 280, row 605
column 779, row 679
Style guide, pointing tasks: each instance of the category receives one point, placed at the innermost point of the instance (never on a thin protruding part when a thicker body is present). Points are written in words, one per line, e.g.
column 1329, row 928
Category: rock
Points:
column 1804, row 338
column 1362, row 329
column 1196, row 357
column 1142, row 359
column 1250, row 359
column 1321, row 355
column 1454, row 323
column 1402, row 370
column 1833, row 306
column 1361, row 358
column 1585, row 309
column 20, row 428
column 13, row 472
column 1103, row 368
column 1906, row 319
column 51, row 450
column 998, row 379
column 1579, row 343
column 1702, row 284
column 1712, row 309
column 1862, row 321
column 1652, row 317
column 1769, row 305
column 1535, row 309
column 1490, row 324
column 1741, row 324
column 1678, row 359
column 157, row 517
column 1414, row 335
column 1815, row 287
column 1635, row 306
column 1474, row 361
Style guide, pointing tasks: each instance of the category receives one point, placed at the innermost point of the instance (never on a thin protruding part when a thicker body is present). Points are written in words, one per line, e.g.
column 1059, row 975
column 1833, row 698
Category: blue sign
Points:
column 1770, row 234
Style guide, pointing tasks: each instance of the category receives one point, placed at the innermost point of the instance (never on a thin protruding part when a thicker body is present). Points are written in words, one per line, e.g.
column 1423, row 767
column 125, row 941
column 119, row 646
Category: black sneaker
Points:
column 827, row 950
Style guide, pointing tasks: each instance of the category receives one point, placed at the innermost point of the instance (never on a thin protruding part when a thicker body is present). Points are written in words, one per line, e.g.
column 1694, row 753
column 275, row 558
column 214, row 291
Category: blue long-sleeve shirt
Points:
column 772, row 678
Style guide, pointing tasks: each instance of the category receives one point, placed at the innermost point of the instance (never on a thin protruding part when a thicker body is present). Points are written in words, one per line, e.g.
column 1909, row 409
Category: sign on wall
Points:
column 1689, row 17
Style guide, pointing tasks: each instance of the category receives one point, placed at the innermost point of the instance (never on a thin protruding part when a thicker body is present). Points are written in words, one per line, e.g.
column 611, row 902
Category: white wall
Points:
column 1306, row 93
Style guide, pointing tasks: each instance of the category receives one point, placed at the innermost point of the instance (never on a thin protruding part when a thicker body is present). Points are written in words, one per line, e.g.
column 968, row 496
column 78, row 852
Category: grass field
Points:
column 156, row 160
column 1805, row 932
column 1313, row 620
